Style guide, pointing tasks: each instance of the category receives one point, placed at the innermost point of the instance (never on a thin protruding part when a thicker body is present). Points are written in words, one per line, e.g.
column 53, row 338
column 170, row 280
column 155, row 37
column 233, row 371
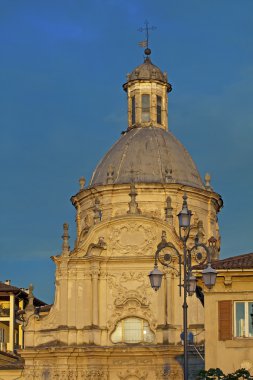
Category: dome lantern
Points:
column 147, row 89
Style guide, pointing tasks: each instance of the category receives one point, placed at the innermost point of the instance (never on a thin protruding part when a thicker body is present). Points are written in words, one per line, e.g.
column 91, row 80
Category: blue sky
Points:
column 62, row 106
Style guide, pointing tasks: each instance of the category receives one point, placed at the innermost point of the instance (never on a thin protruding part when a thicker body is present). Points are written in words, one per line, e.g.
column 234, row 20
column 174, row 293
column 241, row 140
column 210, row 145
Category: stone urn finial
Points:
column 65, row 238
column 208, row 182
column 133, row 205
column 29, row 310
column 82, row 183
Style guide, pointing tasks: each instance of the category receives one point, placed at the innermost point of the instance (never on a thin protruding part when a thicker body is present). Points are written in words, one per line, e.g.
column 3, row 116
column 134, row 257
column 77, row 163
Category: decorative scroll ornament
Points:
column 96, row 249
column 130, row 298
column 133, row 374
column 132, row 239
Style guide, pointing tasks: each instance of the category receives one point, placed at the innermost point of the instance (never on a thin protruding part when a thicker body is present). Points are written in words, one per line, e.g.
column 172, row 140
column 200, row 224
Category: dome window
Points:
column 132, row 330
column 133, row 110
column 159, row 109
column 145, row 109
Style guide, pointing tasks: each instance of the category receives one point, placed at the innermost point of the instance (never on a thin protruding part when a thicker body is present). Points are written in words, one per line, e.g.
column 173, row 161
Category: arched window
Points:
column 133, row 110
column 159, row 109
column 145, row 107
column 132, row 330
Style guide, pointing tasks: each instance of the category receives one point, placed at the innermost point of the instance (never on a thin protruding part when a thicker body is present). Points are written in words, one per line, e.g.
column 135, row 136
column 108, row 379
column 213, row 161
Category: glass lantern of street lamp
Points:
column 155, row 277
column 184, row 217
column 209, row 276
column 192, row 283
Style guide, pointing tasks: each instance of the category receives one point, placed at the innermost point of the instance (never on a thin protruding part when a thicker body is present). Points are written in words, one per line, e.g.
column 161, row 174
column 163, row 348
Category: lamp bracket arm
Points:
column 207, row 258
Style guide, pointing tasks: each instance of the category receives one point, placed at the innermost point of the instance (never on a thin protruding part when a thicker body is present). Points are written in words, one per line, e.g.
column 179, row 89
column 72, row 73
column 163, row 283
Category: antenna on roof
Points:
column 145, row 43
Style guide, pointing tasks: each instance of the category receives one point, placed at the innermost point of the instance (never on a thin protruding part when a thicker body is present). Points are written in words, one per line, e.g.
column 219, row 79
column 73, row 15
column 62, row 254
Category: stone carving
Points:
column 110, row 174
column 208, row 182
column 28, row 374
column 132, row 362
column 97, row 211
column 168, row 176
column 213, row 248
column 29, row 310
column 96, row 249
column 169, row 211
column 46, row 373
column 65, row 238
column 94, row 374
column 168, row 373
column 82, row 183
column 200, row 233
column 133, row 374
column 217, row 230
column 197, row 230
column 132, row 239
column 130, row 298
column 133, row 205
column 129, row 285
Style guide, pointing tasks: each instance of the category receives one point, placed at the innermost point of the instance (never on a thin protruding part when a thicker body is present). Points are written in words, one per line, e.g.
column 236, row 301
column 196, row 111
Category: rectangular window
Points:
column 2, row 335
column 159, row 109
column 145, row 107
column 133, row 110
column 243, row 320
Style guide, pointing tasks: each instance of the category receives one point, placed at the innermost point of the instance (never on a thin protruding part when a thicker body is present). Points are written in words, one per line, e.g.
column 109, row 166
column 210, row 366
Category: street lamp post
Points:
column 202, row 255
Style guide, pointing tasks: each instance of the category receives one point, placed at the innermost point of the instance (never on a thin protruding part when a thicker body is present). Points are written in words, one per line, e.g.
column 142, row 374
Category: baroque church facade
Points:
column 106, row 322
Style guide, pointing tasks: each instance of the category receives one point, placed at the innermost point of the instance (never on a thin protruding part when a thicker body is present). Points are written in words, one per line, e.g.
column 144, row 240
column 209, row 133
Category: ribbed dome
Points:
column 147, row 71
column 147, row 155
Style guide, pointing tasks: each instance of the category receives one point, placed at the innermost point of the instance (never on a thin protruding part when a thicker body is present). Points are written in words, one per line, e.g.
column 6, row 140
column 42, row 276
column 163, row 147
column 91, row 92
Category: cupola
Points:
column 147, row 87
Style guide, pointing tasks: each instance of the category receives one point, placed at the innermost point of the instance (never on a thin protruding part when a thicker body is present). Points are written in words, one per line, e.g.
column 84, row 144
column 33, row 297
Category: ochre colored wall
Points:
column 231, row 354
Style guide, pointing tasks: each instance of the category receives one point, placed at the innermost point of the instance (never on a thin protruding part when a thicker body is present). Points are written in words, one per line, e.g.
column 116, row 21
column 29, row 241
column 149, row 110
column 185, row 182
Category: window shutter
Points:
column 225, row 320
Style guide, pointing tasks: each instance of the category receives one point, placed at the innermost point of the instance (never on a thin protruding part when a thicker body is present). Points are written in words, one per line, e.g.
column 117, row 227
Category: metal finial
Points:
column 146, row 29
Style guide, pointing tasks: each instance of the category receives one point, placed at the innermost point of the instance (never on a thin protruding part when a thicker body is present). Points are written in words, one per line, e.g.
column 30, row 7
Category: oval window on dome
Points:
column 132, row 330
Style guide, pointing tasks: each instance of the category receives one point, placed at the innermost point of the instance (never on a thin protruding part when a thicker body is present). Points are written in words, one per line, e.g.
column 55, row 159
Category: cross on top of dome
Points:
column 145, row 43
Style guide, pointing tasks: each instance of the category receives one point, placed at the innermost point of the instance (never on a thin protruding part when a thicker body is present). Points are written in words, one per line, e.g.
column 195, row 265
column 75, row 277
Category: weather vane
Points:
column 145, row 43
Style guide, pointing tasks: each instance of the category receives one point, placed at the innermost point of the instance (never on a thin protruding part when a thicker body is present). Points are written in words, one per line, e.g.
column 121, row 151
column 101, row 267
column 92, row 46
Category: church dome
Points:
column 147, row 71
column 147, row 155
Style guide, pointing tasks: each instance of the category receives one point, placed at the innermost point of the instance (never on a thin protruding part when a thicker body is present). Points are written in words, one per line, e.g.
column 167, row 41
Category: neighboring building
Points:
column 11, row 366
column 106, row 322
column 229, row 316
column 13, row 301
